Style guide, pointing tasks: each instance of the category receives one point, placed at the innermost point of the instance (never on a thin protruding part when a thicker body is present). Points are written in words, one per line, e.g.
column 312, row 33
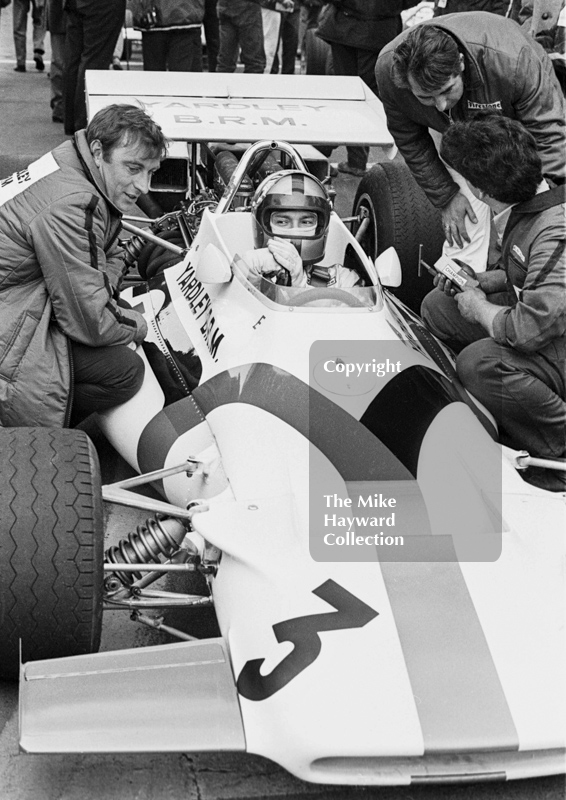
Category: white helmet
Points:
column 292, row 190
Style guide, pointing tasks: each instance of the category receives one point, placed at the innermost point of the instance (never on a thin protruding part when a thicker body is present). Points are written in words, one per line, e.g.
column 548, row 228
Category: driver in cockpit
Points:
column 291, row 214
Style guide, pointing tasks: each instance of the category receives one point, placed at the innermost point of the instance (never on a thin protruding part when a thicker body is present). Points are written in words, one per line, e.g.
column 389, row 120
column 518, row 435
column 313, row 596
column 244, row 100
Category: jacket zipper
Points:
column 70, row 396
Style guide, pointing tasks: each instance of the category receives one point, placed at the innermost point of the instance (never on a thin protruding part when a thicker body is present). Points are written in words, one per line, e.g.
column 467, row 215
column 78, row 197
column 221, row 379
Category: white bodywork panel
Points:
column 224, row 107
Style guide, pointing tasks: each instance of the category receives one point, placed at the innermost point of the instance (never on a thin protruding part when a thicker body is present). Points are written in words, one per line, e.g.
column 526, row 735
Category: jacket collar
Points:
column 92, row 172
column 542, row 201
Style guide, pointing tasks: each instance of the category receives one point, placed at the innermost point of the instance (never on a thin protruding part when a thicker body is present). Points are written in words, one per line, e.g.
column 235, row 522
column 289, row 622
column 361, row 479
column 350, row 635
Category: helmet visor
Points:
column 293, row 223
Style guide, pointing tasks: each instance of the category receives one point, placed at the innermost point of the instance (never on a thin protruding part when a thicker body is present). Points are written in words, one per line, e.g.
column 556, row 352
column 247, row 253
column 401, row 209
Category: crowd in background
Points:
column 217, row 35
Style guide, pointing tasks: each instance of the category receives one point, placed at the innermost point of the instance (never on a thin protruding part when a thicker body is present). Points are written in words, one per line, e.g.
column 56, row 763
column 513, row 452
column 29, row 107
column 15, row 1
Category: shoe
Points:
column 57, row 118
column 116, row 63
column 343, row 166
column 38, row 58
column 19, row 68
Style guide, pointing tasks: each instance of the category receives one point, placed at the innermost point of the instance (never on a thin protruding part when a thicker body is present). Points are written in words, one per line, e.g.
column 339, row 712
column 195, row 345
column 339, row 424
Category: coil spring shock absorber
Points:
column 132, row 248
column 159, row 536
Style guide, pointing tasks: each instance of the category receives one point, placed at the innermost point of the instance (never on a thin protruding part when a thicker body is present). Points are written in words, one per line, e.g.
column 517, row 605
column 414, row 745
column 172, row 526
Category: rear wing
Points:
column 237, row 107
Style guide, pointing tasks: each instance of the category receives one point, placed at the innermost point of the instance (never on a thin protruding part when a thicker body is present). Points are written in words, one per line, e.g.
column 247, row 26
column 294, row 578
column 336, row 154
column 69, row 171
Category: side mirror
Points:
column 388, row 268
column 213, row 266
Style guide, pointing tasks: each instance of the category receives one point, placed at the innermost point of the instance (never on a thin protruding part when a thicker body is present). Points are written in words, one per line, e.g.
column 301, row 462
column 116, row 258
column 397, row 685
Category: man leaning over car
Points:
column 64, row 334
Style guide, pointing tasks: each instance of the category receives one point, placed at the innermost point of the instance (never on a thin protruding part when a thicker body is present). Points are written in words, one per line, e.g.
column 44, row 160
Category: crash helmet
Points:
column 306, row 226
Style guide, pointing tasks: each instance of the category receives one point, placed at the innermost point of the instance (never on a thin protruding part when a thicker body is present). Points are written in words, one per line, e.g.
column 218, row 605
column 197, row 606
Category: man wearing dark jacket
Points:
column 445, row 70
column 64, row 333
column 356, row 31
column 513, row 326
column 171, row 34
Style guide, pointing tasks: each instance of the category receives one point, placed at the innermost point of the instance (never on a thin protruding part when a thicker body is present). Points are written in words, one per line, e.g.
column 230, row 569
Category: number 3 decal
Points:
column 303, row 632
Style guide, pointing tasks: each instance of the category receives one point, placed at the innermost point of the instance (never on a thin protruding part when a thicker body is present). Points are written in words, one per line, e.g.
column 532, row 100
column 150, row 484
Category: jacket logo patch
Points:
column 519, row 253
column 496, row 105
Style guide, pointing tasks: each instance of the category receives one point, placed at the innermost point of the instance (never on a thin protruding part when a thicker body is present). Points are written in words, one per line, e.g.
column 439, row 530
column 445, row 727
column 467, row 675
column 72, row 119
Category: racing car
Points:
column 378, row 567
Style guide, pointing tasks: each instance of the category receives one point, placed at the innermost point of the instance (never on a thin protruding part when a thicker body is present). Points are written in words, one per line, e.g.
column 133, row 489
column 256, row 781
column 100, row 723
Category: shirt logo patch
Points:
column 475, row 106
column 518, row 253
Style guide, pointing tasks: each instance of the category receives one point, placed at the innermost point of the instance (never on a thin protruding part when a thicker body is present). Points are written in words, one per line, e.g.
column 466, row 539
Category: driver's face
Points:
column 303, row 223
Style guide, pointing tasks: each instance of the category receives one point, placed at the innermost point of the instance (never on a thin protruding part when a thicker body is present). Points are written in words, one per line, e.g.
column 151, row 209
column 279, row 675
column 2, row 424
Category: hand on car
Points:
column 454, row 220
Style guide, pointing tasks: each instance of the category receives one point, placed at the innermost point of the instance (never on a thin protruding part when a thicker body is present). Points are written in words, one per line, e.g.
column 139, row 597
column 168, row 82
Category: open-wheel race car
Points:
column 388, row 589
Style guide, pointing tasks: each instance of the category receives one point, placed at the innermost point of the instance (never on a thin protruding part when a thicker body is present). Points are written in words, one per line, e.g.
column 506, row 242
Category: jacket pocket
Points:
column 20, row 339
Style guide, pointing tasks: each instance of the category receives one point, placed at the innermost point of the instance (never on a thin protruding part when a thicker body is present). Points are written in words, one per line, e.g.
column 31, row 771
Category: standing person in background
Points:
column 56, row 23
column 356, row 31
column 20, row 13
column 288, row 42
column 272, row 12
column 240, row 29
column 170, row 34
column 442, row 7
column 93, row 27
column 211, row 34
column 545, row 21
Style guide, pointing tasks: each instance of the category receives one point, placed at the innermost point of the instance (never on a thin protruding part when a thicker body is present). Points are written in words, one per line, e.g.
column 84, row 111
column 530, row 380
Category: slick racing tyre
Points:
column 51, row 546
column 400, row 216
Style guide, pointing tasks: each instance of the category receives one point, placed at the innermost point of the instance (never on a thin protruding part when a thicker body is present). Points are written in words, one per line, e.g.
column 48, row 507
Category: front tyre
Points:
column 51, row 546
column 400, row 216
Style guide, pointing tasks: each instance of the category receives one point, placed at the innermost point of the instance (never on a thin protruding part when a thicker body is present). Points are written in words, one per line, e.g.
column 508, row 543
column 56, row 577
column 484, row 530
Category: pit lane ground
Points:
column 26, row 129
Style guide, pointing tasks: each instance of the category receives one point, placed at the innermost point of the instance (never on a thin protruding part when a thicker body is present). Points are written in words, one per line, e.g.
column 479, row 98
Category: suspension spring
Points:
column 132, row 248
column 159, row 536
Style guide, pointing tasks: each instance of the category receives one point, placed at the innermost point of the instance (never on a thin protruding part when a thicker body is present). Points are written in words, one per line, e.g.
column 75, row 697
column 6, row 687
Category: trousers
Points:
column 104, row 377
column 525, row 392
column 20, row 21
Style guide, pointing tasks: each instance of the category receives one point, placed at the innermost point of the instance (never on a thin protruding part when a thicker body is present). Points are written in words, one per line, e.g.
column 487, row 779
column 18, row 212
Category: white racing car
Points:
column 388, row 589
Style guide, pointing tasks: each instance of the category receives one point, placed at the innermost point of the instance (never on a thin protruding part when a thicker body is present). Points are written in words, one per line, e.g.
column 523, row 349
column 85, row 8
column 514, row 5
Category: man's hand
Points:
column 470, row 303
column 454, row 220
column 474, row 306
column 445, row 284
column 286, row 255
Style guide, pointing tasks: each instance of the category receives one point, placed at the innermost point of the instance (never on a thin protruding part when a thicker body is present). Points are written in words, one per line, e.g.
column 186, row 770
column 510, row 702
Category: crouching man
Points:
column 511, row 330
column 64, row 334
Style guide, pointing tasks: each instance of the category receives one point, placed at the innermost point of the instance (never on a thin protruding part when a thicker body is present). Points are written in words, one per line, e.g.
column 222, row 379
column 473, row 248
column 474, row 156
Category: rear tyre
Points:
column 400, row 216
column 51, row 546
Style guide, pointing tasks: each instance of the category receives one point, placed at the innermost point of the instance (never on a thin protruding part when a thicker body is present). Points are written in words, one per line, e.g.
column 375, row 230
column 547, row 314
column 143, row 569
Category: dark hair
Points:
column 118, row 125
column 496, row 155
column 429, row 55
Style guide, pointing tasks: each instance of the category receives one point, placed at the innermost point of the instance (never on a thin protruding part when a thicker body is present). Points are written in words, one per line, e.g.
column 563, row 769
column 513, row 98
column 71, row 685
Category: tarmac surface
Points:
column 26, row 132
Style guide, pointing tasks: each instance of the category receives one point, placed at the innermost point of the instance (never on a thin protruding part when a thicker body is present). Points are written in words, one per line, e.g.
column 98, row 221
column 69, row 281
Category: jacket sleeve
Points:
column 539, row 316
column 68, row 239
column 539, row 106
column 413, row 138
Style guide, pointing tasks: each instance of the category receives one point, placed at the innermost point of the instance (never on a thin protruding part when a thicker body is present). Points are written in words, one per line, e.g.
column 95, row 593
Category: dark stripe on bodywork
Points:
column 355, row 452
column 161, row 433
column 459, row 697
